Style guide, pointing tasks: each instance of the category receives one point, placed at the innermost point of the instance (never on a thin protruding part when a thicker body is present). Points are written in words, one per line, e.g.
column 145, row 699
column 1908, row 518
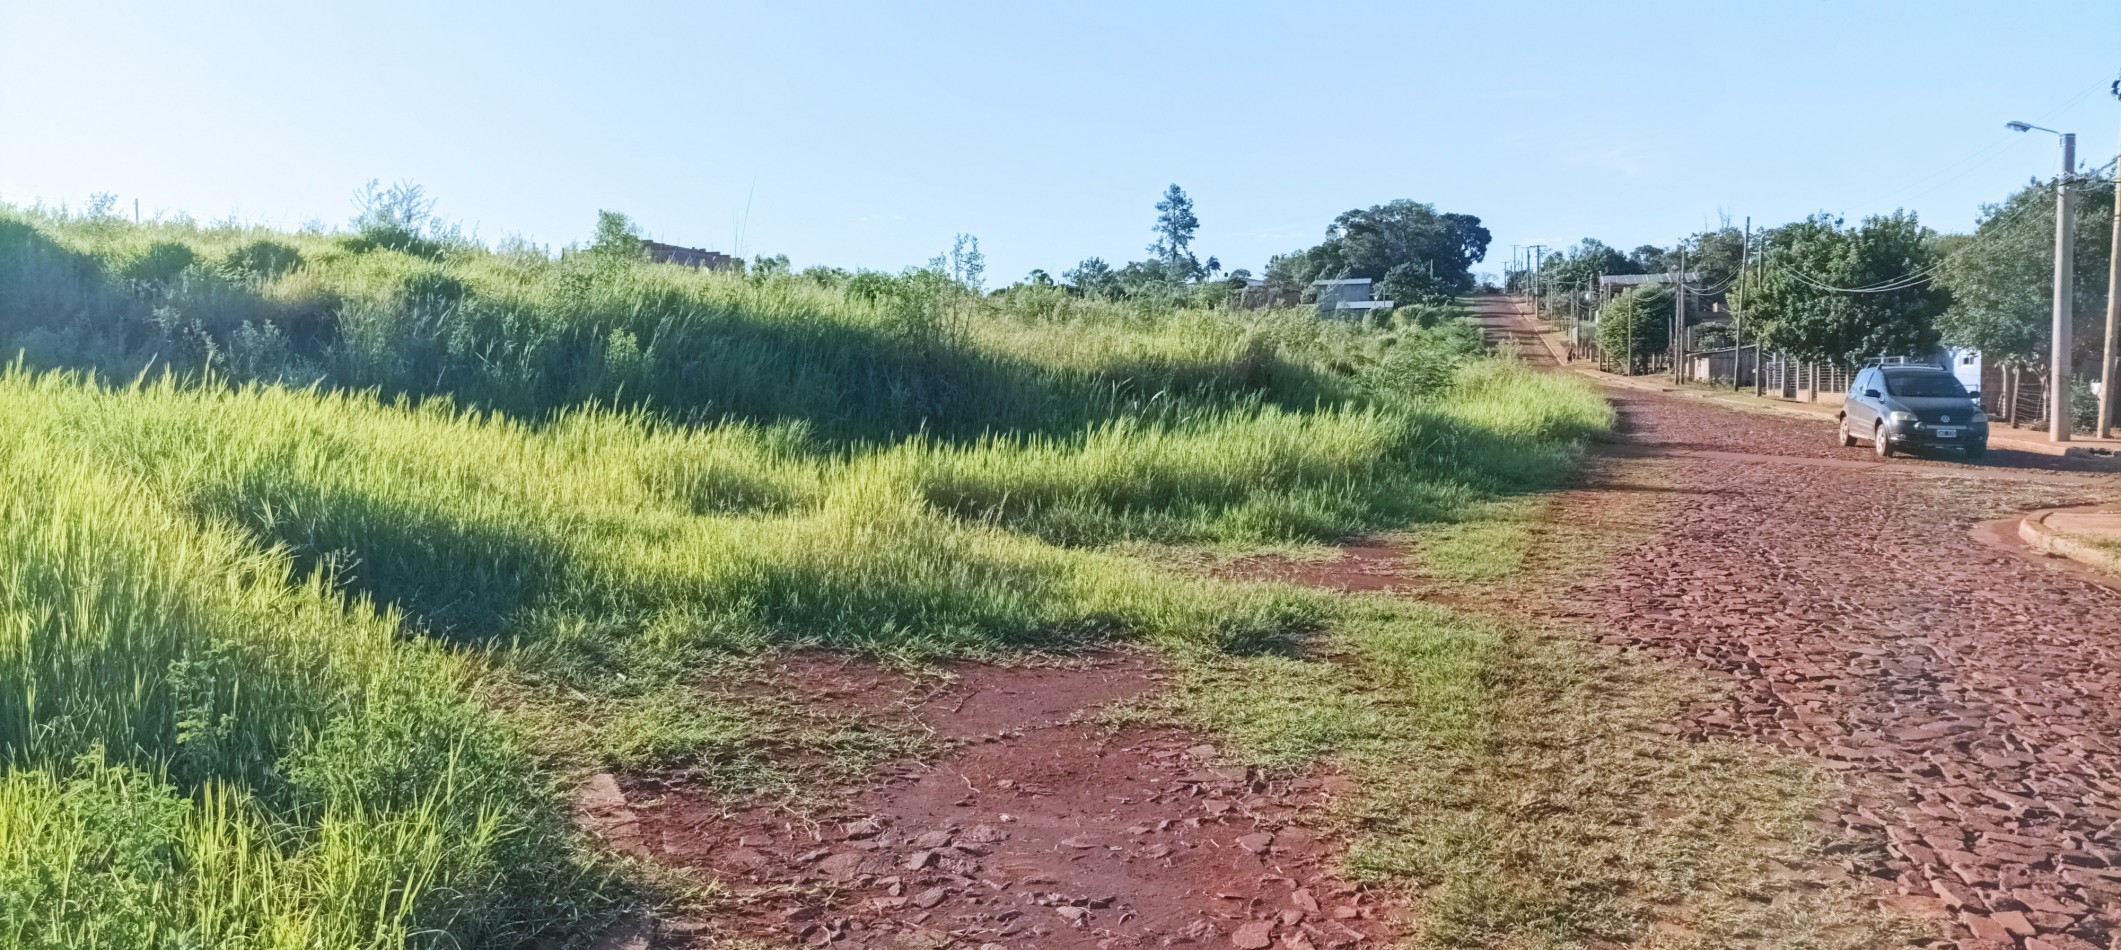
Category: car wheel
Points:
column 1848, row 439
column 1976, row 450
column 1881, row 443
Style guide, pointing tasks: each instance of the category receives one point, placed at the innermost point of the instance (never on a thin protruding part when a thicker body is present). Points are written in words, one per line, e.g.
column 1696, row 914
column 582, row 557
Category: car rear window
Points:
column 1924, row 385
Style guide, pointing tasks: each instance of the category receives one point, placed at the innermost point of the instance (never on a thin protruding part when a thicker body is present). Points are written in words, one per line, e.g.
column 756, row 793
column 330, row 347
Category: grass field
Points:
column 323, row 564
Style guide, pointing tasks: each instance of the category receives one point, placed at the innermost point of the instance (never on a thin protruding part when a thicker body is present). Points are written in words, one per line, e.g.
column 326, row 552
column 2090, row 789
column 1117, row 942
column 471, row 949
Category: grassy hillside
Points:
column 299, row 626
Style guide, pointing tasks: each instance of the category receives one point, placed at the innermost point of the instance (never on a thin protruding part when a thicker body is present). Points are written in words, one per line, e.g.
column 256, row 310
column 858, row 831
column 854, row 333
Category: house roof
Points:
column 1342, row 280
column 1628, row 280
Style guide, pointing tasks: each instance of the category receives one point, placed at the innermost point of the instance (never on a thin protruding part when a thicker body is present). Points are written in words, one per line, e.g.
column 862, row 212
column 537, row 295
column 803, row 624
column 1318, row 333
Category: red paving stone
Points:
column 1967, row 693
column 1031, row 829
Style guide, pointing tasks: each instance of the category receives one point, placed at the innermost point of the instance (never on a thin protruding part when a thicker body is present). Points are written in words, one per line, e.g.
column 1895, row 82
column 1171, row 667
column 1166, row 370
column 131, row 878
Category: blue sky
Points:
column 866, row 135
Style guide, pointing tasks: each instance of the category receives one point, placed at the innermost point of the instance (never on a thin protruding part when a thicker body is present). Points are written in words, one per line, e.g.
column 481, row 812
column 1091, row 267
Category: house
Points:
column 1258, row 295
column 1965, row 363
column 1613, row 285
column 1727, row 366
column 690, row 256
column 1348, row 298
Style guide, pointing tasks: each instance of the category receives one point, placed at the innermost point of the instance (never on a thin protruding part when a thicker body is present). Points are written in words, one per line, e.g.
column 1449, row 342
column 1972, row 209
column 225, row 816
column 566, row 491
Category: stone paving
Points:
column 1968, row 693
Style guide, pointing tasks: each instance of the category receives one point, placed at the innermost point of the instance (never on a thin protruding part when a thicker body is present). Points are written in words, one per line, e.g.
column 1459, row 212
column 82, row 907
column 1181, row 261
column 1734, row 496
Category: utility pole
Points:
column 2065, row 294
column 1679, row 319
column 1539, row 269
column 2108, row 400
column 1745, row 260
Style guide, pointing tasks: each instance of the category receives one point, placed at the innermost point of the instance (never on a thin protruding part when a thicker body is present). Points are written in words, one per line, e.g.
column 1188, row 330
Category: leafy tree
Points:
column 1175, row 226
column 1093, row 278
column 1370, row 242
column 1143, row 277
column 1578, row 267
column 1712, row 336
column 1789, row 303
column 1411, row 285
column 403, row 209
column 1650, row 259
column 1715, row 254
column 2002, row 277
column 617, row 237
column 964, row 264
column 400, row 218
column 764, row 267
column 826, row 276
column 1636, row 324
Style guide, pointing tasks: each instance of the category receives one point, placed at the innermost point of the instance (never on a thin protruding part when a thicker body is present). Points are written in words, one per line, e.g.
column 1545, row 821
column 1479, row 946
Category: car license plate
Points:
column 1947, row 433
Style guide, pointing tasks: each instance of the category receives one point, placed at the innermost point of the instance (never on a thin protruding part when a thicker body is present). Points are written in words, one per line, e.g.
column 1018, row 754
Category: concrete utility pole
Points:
column 1539, row 269
column 2065, row 291
column 1745, row 263
column 2108, row 399
column 1679, row 319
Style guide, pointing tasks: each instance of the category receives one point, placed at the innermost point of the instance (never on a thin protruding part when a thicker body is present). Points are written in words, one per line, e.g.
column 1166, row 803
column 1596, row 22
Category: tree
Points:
column 1175, row 226
column 2002, row 277
column 400, row 217
column 964, row 264
column 1093, row 278
column 1649, row 259
column 1577, row 269
column 401, row 210
column 1371, row 242
column 1793, row 303
column 617, row 236
column 1636, row 324
column 1411, row 285
column 1715, row 255
column 766, row 268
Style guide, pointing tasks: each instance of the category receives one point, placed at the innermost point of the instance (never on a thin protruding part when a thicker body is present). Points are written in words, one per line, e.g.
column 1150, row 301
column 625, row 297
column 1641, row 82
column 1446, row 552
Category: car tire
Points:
column 1976, row 451
column 1881, row 443
column 1848, row 439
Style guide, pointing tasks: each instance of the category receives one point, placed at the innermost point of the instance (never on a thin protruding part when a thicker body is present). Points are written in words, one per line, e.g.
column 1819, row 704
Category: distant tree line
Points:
column 1823, row 289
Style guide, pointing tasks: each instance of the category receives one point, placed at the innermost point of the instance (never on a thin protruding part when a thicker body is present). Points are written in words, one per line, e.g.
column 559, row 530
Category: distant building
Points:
column 1728, row 366
column 1349, row 298
column 690, row 256
column 1613, row 285
column 1258, row 295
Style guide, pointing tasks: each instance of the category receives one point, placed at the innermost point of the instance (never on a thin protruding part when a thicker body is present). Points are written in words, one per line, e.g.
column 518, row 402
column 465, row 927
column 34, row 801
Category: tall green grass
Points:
column 280, row 509
column 206, row 747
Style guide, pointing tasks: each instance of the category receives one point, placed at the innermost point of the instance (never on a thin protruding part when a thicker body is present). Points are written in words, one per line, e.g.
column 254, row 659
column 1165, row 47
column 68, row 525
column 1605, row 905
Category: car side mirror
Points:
column 1870, row 394
column 1974, row 394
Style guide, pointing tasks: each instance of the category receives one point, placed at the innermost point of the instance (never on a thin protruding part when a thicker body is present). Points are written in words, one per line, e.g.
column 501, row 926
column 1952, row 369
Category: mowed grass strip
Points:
column 1524, row 791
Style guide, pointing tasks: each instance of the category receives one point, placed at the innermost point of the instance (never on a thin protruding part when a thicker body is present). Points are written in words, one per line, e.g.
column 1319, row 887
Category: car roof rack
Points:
column 1901, row 361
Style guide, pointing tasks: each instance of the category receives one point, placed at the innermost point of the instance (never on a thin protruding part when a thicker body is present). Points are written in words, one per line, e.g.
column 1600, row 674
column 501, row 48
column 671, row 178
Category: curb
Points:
column 2034, row 531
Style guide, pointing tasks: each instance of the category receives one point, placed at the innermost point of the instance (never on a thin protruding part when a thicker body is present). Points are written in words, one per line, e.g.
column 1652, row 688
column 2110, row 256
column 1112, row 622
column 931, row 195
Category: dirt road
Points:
column 1858, row 613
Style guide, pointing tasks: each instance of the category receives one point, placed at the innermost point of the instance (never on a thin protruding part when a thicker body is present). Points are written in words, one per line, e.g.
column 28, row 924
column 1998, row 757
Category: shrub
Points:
column 262, row 259
column 162, row 262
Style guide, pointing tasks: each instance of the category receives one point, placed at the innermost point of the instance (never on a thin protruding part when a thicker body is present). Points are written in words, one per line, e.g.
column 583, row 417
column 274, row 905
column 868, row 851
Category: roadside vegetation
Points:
column 329, row 559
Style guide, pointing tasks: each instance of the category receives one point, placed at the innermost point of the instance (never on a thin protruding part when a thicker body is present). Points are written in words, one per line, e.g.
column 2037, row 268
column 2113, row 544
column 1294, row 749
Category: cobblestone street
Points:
column 1966, row 691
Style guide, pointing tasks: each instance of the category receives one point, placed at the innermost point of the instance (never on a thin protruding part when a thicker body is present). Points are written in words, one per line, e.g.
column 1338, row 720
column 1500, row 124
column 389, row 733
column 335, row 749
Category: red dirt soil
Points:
column 1034, row 828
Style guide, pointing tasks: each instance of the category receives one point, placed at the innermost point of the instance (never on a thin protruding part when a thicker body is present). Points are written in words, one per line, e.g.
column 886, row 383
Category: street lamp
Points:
column 2065, row 261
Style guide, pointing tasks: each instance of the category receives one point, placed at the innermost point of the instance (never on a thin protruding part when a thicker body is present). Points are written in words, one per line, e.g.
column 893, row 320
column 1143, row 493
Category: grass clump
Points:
column 207, row 747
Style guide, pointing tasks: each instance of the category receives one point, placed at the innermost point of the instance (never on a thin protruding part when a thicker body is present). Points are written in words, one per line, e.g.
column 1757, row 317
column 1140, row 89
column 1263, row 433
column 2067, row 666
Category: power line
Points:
column 2013, row 220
